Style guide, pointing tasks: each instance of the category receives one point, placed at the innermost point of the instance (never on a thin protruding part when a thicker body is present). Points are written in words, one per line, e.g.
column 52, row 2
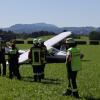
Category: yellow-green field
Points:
column 51, row 88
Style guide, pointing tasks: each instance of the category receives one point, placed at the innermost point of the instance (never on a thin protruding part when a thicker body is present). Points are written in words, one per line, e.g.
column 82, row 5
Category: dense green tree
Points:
column 8, row 35
column 94, row 35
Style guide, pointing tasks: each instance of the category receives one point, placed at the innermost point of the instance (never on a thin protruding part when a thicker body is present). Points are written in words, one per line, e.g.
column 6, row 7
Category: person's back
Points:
column 36, row 50
column 43, row 53
column 35, row 59
column 43, row 56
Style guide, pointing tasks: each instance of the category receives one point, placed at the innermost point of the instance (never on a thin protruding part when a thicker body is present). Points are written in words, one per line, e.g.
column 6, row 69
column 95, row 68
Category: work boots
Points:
column 39, row 78
column 70, row 93
column 67, row 93
column 76, row 95
column 42, row 76
column 35, row 78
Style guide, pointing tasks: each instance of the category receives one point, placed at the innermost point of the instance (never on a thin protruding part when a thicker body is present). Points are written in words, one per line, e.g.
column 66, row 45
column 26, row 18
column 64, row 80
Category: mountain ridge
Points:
column 29, row 28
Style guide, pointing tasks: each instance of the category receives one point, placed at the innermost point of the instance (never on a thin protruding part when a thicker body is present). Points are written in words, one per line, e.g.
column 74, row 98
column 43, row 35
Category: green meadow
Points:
column 55, row 81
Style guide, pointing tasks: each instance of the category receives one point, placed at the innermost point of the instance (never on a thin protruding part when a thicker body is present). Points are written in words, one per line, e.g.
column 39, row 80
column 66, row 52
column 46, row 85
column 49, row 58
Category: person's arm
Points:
column 68, row 56
column 81, row 55
column 30, row 55
column 46, row 51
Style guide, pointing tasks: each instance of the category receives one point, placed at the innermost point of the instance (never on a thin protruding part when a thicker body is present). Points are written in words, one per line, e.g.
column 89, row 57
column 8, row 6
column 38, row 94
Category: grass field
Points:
column 51, row 88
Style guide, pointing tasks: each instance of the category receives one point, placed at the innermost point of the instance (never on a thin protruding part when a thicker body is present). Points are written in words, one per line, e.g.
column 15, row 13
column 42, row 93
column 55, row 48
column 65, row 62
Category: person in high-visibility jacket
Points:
column 43, row 56
column 13, row 56
column 73, row 64
column 2, row 57
column 35, row 59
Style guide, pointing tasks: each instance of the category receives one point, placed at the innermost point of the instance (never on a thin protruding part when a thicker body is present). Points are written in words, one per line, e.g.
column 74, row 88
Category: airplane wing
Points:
column 49, row 43
column 22, row 51
column 23, row 57
column 7, row 49
column 56, row 39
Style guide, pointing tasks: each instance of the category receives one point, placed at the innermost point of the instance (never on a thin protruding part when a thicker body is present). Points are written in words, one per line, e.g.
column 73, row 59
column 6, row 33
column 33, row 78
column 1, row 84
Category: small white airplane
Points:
column 57, row 54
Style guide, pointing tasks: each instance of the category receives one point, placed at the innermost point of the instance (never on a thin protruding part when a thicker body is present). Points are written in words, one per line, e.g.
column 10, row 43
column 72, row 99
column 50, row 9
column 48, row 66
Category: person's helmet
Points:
column 40, row 41
column 35, row 41
column 12, row 41
column 70, row 40
column 8, row 44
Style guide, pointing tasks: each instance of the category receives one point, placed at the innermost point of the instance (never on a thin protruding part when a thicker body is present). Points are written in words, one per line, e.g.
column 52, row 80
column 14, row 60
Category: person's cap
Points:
column 13, row 41
column 8, row 43
column 70, row 40
column 35, row 41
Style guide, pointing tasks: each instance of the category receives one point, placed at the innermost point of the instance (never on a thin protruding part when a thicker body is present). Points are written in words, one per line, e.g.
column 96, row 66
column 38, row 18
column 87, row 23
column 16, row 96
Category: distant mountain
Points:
column 80, row 30
column 29, row 28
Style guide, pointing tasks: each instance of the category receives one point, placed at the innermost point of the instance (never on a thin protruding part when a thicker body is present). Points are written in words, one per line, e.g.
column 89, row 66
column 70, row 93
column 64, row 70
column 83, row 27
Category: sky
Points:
column 62, row 13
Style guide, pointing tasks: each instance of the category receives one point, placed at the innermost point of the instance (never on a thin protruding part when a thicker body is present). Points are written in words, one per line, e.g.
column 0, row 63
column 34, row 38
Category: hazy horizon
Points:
column 51, row 24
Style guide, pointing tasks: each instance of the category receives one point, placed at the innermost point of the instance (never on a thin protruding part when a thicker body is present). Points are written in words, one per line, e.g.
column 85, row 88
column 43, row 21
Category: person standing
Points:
column 2, row 57
column 35, row 59
column 43, row 56
column 73, row 64
column 13, row 56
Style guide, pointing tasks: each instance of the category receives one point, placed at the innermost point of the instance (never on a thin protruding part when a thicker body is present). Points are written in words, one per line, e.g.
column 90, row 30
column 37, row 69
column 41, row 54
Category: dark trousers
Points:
column 42, row 70
column 72, row 86
column 37, row 72
column 3, row 62
column 14, row 69
column 71, row 78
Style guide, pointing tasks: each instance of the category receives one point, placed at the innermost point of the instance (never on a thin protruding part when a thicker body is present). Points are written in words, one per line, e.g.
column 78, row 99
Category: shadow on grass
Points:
column 43, row 81
column 91, row 98
column 51, row 81
column 27, row 79
column 86, row 60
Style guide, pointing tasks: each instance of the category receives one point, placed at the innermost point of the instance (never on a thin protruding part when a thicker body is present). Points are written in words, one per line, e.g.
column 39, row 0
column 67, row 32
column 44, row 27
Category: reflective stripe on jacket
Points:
column 36, row 56
column 43, row 54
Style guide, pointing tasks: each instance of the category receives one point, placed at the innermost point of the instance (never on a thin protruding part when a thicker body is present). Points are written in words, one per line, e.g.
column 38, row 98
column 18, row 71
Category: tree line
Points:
column 8, row 35
column 94, row 35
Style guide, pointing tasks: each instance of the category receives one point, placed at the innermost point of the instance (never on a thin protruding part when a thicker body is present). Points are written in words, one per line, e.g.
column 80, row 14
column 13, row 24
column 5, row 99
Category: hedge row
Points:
column 29, row 42
column 82, row 42
column 94, row 42
column 91, row 42
column 19, row 42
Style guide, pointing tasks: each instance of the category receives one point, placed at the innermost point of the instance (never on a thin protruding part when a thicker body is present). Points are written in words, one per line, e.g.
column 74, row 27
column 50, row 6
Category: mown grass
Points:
column 51, row 88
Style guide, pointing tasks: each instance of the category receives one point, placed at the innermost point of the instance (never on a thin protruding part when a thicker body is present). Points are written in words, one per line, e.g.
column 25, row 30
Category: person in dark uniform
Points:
column 73, row 64
column 2, row 57
column 43, row 56
column 13, row 56
column 35, row 59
